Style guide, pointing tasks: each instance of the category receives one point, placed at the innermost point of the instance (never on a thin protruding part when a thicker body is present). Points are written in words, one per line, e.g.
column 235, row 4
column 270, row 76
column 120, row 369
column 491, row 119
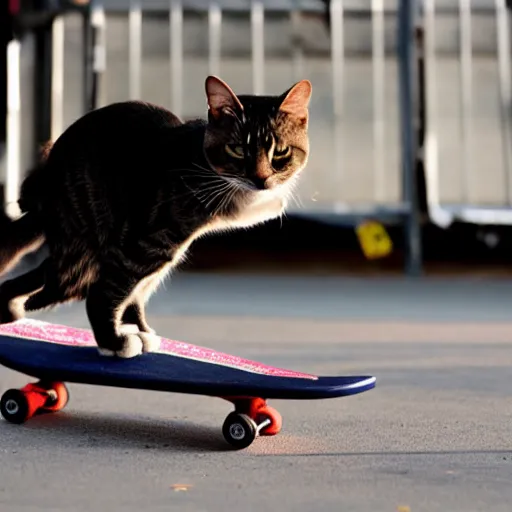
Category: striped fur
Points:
column 127, row 188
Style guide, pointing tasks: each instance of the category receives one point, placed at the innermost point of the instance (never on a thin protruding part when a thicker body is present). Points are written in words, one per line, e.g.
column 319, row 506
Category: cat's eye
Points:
column 234, row 150
column 282, row 153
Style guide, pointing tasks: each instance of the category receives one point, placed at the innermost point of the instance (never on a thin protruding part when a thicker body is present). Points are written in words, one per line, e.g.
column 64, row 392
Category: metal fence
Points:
column 467, row 145
column 364, row 69
column 162, row 50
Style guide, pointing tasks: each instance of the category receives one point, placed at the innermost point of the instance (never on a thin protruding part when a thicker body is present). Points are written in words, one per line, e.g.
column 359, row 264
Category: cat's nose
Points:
column 259, row 183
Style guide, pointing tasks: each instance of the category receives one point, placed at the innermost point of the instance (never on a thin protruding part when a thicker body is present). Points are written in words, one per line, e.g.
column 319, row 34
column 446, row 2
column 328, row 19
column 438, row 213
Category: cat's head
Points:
column 262, row 140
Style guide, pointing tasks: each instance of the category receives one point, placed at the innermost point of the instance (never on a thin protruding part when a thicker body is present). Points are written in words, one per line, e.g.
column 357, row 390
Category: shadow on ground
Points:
column 120, row 432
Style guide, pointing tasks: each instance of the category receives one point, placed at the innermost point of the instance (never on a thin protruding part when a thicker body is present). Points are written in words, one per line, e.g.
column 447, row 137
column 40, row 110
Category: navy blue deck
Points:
column 163, row 372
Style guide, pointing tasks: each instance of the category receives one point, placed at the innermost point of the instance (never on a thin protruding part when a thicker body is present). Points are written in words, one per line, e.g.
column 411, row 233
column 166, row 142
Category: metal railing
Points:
column 468, row 144
column 371, row 149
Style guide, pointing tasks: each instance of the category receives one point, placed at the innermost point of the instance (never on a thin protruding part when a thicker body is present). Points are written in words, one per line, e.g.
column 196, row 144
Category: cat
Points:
column 123, row 192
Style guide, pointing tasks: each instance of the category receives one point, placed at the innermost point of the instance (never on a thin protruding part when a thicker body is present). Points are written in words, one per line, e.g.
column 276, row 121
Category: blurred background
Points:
column 410, row 115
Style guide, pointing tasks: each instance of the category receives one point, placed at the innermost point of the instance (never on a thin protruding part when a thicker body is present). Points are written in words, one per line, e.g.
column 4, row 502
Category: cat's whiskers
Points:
column 208, row 194
column 205, row 169
column 217, row 194
column 296, row 200
column 224, row 176
column 239, row 179
column 195, row 172
column 204, row 195
column 205, row 192
column 243, row 183
column 207, row 186
column 200, row 194
column 290, row 191
column 220, row 206
column 227, row 199
column 292, row 195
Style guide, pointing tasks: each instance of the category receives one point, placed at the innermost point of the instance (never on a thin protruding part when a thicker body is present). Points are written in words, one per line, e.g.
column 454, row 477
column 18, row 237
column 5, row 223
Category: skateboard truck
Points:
column 251, row 418
column 19, row 405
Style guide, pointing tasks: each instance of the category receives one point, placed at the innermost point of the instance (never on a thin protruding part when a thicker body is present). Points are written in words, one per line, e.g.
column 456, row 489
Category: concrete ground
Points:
column 434, row 435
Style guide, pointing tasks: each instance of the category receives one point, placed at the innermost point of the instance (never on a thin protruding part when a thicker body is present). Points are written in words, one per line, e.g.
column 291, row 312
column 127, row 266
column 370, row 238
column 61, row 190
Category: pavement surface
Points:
column 434, row 435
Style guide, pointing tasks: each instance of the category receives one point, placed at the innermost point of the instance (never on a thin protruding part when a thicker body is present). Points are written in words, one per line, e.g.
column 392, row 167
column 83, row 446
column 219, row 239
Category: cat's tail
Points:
column 23, row 235
column 18, row 237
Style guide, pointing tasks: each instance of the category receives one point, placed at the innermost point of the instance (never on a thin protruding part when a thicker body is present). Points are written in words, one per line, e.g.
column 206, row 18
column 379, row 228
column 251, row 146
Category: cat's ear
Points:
column 220, row 97
column 296, row 100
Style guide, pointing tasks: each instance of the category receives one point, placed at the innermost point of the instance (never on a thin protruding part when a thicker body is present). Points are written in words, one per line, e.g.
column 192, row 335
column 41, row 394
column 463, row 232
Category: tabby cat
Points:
column 124, row 191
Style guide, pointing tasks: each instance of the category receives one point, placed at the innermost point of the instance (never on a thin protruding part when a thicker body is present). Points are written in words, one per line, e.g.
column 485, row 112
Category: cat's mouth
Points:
column 243, row 192
column 255, row 184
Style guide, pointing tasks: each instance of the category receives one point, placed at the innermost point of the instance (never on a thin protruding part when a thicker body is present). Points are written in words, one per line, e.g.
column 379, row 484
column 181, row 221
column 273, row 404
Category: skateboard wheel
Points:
column 14, row 406
column 239, row 430
column 58, row 397
column 269, row 413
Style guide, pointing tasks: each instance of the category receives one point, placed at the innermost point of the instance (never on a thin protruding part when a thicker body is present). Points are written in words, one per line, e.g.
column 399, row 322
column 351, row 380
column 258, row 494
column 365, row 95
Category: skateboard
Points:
column 54, row 354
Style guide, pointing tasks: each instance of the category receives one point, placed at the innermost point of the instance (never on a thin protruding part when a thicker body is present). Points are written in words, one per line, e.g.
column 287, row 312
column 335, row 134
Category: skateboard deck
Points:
column 55, row 354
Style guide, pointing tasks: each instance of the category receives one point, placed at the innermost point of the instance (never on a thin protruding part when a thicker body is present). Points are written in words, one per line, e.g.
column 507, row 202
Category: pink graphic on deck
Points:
column 71, row 336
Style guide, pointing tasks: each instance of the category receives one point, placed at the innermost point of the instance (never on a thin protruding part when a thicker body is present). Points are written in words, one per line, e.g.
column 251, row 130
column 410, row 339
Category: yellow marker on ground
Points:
column 374, row 240
column 180, row 487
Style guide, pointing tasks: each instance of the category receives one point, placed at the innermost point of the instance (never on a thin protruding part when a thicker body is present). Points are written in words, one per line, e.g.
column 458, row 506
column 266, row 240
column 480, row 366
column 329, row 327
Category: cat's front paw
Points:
column 133, row 345
column 150, row 341
column 130, row 346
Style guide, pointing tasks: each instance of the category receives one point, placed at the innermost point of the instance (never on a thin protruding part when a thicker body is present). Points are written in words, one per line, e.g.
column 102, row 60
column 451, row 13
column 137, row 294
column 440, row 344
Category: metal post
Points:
column 430, row 143
column 13, row 171
column 89, row 92
column 42, row 86
column 214, row 35
column 57, row 121
column 135, row 48
column 98, row 22
column 505, row 89
column 407, row 66
column 297, row 51
column 176, row 54
column 337, row 62
column 378, row 56
column 258, row 46
column 466, row 80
